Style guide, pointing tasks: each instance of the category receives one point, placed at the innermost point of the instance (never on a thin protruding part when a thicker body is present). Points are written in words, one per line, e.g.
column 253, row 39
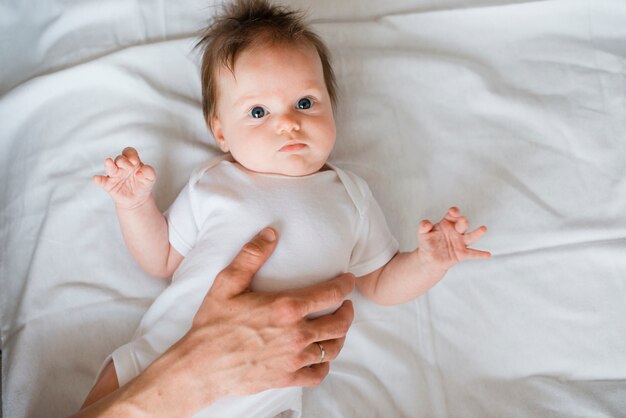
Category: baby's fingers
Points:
column 131, row 154
column 461, row 224
column 472, row 237
column 122, row 162
column 100, row 180
column 147, row 173
column 425, row 227
column 470, row 254
column 109, row 167
column 453, row 214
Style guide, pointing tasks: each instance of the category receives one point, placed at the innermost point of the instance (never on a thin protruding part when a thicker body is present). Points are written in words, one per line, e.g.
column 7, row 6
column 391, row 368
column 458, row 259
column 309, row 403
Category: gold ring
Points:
column 322, row 352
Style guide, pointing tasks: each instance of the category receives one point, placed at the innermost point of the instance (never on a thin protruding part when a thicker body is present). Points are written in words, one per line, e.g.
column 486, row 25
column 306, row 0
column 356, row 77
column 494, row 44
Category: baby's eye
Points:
column 304, row 103
column 258, row 112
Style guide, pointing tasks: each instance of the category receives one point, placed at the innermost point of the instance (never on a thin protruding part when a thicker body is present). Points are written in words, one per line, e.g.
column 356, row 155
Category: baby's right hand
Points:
column 128, row 180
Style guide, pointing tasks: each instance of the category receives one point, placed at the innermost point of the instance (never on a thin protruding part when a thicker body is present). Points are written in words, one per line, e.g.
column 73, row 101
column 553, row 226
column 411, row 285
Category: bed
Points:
column 513, row 110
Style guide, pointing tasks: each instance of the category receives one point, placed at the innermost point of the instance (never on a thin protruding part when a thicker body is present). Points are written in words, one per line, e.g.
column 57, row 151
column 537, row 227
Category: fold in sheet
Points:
column 513, row 111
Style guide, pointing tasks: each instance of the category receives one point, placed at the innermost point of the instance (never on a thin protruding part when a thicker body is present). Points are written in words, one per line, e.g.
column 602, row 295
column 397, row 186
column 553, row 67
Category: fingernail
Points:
column 268, row 235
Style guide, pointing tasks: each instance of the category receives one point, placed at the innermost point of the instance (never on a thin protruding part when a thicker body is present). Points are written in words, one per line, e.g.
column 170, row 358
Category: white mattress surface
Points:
column 513, row 110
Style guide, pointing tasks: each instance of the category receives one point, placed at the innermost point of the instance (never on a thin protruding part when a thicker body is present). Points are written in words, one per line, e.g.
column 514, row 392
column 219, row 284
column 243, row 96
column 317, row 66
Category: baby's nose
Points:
column 288, row 123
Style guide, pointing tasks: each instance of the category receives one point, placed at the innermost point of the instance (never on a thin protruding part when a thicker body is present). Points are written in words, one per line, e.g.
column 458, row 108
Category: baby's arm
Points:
column 408, row 275
column 129, row 183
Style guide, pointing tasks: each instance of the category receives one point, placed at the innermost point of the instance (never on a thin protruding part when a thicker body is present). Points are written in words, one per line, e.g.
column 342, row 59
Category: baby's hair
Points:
column 247, row 23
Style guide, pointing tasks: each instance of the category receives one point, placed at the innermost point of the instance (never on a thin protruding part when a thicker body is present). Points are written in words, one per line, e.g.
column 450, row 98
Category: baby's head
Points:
column 268, row 89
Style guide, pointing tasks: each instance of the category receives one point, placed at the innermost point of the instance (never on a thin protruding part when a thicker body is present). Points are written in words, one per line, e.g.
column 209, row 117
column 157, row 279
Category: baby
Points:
column 268, row 98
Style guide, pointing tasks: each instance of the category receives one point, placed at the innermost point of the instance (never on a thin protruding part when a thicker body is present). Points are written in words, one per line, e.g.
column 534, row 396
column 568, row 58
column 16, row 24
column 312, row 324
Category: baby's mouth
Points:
column 292, row 147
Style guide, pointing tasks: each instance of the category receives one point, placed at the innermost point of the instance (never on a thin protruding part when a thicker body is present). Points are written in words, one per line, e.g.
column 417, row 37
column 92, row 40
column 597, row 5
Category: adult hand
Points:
column 270, row 328
column 241, row 342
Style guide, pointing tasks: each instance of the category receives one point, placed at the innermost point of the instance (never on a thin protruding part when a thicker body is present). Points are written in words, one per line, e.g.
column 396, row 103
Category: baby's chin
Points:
column 292, row 166
column 292, row 171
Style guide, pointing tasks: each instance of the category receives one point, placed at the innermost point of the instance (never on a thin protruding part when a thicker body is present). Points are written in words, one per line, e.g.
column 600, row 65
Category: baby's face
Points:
column 274, row 114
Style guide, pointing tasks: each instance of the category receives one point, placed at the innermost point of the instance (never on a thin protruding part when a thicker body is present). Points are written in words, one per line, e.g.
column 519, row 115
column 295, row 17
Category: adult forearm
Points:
column 240, row 343
column 145, row 232
column 163, row 390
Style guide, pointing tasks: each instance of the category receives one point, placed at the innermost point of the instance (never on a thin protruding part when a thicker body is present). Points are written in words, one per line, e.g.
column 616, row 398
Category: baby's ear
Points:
column 218, row 134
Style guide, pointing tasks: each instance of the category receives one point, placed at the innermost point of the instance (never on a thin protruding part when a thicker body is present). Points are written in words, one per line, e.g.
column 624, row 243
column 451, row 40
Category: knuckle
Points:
column 253, row 249
column 221, row 276
column 221, row 281
column 334, row 294
column 290, row 309
column 298, row 339
column 296, row 362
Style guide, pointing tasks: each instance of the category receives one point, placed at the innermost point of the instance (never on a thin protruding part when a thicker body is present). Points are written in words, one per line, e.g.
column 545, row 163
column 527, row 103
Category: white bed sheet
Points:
column 515, row 111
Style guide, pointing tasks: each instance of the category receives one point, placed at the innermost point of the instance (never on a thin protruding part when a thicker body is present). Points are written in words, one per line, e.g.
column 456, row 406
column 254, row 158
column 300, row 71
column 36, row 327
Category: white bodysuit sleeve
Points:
column 375, row 244
column 181, row 225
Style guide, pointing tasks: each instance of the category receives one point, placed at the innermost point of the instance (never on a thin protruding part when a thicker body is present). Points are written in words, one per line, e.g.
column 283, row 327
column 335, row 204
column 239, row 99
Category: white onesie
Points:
column 328, row 223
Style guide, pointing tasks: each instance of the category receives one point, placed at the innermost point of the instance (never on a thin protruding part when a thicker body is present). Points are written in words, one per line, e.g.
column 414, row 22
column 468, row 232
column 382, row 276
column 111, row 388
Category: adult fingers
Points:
column 472, row 237
column 322, row 296
column 312, row 354
column 132, row 155
column 307, row 376
column 323, row 351
column 332, row 326
column 236, row 277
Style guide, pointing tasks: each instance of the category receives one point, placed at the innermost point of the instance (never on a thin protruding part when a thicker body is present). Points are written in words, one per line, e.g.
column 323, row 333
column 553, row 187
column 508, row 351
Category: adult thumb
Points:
column 236, row 277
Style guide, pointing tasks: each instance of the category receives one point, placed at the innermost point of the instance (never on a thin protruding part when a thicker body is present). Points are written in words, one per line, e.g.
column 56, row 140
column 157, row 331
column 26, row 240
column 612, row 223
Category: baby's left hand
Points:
column 446, row 243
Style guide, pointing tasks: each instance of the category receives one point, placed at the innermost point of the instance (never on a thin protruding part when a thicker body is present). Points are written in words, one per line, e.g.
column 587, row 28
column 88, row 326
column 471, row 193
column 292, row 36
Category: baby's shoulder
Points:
column 356, row 187
column 209, row 167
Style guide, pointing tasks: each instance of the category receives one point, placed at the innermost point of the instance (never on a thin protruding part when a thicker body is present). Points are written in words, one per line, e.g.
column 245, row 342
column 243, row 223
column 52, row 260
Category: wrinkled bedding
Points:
column 513, row 110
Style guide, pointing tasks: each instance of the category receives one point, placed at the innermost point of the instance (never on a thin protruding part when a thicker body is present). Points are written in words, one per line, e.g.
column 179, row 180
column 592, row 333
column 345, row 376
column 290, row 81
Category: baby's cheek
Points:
column 331, row 133
column 252, row 158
